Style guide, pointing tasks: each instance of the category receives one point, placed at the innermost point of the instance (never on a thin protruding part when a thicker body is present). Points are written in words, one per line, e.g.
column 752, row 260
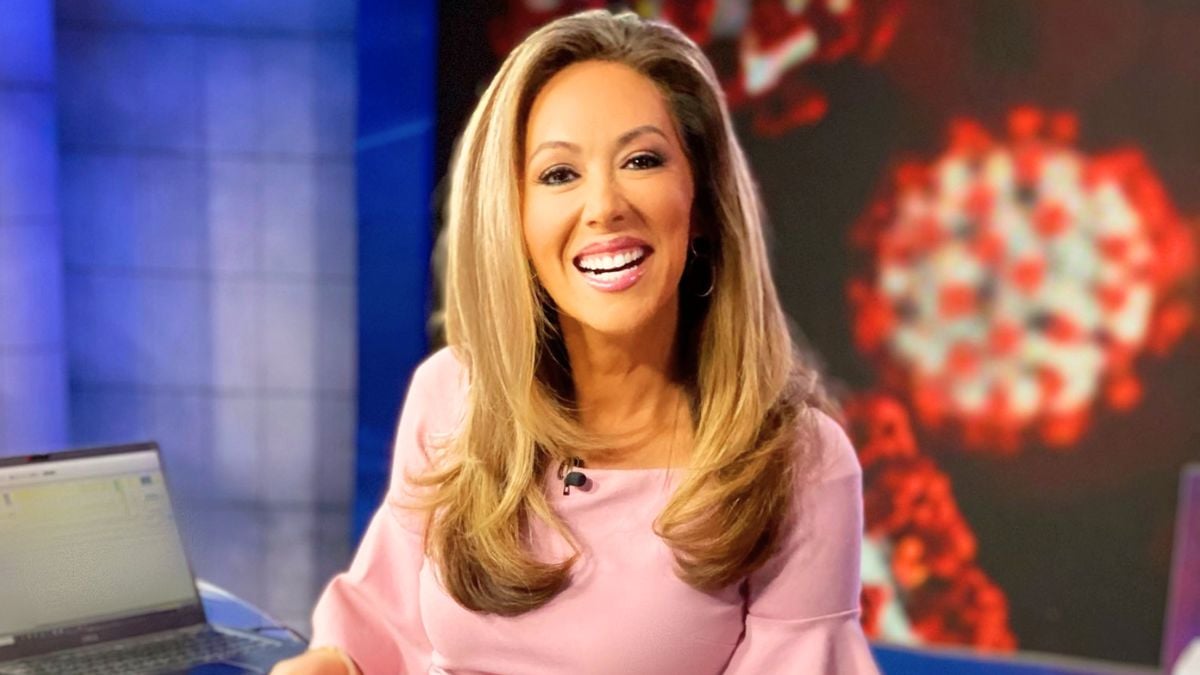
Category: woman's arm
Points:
column 320, row 661
column 802, row 612
column 370, row 614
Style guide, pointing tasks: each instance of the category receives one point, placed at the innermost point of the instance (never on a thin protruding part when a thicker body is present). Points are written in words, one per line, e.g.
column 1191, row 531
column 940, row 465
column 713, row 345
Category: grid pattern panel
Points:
column 209, row 239
column 33, row 393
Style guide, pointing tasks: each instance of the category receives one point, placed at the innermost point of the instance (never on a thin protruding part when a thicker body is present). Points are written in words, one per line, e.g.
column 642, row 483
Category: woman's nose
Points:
column 605, row 204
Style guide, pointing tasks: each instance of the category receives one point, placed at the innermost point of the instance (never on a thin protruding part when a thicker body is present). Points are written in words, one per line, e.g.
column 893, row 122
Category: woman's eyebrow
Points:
column 553, row 144
column 633, row 133
column 622, row 140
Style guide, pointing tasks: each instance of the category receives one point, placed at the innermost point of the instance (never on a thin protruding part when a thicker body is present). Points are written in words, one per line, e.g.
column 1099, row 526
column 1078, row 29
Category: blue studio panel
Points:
column 396, row 43
column 33, row 400
column 208, row 216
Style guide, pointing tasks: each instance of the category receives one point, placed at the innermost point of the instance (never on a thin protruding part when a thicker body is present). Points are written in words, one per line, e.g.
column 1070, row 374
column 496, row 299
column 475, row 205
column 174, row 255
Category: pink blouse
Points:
column 624, row 611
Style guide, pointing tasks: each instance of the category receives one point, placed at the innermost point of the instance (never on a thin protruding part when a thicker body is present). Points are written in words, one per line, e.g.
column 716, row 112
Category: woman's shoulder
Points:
column 442, row 366
column 432, row 411
column 439, row 390
column 826, row 447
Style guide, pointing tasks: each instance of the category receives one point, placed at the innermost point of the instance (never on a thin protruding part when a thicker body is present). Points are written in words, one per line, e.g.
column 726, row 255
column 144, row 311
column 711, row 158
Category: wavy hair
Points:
column 749, row 390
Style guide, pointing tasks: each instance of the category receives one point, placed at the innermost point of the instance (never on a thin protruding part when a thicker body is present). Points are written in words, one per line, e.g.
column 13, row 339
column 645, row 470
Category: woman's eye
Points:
column 646, row 160
column 556, row 176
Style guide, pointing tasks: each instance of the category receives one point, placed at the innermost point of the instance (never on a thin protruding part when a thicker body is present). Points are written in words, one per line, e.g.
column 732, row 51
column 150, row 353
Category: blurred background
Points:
column 217, row 221
column 179, row 262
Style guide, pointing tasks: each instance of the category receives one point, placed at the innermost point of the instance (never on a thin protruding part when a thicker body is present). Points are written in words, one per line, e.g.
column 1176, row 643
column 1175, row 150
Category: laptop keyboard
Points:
column 140, row 656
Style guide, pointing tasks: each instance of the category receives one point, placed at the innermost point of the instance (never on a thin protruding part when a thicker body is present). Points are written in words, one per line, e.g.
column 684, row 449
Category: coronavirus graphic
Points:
column 522, row 17
column 920, row 579
column 783, row 39
column 1012, row 284
column 778, row 44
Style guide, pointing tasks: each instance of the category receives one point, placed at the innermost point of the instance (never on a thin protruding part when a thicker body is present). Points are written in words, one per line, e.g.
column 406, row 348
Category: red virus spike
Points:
column 988, row 247
column 1064, row 128
column 957, row 300
column 1061, row 431
column 968, row 137
column 1025, row 123
column 1123, row 391
column 1027, row 275
column 1051, row 220
column 1004, row 338
column 1112, row 297
column 1169, row 327
column 963, row 360
column 1064, row 329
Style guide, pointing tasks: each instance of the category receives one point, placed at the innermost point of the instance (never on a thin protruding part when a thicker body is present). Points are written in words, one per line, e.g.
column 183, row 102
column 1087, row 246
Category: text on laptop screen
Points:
column 85, row 540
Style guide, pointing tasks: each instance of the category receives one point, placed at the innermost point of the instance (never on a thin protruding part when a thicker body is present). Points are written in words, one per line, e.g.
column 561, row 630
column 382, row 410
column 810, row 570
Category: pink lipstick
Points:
column 613, row 265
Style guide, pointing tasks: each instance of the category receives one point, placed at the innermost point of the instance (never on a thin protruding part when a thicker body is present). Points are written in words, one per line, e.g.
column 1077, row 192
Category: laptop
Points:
column 1182, row 624
column 94, row 578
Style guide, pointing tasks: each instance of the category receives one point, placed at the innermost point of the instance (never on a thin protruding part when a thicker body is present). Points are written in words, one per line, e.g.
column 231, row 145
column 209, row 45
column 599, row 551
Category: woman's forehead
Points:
column 596, row 102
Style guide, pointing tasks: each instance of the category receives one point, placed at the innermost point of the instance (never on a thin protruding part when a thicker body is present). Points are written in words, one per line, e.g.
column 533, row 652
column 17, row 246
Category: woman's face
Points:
column 606, row 198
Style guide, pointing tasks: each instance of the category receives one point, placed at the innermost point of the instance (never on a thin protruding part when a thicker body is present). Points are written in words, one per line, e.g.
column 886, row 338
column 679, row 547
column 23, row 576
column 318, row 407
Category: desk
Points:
column 226, row 609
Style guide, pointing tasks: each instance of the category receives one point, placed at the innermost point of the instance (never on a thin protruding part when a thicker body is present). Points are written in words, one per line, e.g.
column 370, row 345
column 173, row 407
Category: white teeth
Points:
column 608, row 262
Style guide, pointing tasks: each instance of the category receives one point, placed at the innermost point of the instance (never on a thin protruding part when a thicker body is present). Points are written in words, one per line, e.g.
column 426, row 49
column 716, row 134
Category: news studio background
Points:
column 984, row 218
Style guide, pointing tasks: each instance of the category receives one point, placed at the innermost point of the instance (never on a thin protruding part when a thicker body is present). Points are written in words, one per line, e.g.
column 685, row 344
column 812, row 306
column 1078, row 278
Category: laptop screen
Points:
column 89, row 550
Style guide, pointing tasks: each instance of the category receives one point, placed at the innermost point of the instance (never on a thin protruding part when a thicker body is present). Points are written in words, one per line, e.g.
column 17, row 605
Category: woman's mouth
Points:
column 613, row 271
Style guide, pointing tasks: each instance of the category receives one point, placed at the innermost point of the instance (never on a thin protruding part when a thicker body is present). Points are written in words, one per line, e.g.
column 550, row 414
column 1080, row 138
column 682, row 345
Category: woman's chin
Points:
column 616, row 329
column 624, row 320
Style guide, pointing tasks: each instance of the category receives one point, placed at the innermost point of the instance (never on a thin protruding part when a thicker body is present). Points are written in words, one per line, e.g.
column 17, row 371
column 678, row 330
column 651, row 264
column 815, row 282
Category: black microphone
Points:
column 569, row 476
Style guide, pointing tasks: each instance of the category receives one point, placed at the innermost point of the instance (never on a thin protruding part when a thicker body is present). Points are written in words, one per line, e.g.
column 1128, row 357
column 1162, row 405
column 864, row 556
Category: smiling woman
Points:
column 613, row 328
column 607, row 200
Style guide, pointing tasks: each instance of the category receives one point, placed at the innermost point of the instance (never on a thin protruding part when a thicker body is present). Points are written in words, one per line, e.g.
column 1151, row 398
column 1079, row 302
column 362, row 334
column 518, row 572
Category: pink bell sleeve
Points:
column 371, row 611
column 802, row 607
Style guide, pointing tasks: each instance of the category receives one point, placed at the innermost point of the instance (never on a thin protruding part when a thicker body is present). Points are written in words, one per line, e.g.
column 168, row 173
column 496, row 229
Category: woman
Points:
column 618, row 465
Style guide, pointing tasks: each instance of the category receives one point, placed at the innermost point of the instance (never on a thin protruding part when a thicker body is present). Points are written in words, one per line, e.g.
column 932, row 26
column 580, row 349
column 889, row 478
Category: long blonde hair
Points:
column 749, row 391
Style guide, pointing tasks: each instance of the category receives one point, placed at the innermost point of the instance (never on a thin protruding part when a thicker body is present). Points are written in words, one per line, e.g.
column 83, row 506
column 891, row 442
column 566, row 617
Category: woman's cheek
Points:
column 537, row 236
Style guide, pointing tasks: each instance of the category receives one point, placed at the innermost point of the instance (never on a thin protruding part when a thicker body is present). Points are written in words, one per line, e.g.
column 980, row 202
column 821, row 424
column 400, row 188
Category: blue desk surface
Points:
column 895, row 660
column 226, row 609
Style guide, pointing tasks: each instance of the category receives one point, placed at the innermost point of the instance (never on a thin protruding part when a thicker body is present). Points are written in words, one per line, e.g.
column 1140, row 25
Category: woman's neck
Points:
column 626, row 389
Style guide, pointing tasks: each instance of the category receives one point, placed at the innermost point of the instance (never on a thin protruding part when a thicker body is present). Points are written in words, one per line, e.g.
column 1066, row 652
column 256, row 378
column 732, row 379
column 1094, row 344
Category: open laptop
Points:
column 94, row 578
